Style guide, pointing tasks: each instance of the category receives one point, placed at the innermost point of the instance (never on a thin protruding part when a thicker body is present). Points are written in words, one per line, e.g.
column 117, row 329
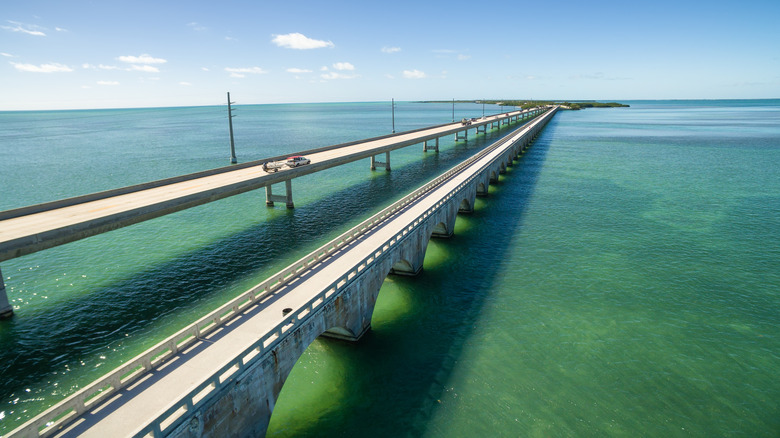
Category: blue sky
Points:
column 111, row 54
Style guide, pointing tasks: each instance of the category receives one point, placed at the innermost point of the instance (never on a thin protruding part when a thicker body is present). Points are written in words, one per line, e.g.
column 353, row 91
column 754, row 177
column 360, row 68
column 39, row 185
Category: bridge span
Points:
column 221, row 376
column 34, row 228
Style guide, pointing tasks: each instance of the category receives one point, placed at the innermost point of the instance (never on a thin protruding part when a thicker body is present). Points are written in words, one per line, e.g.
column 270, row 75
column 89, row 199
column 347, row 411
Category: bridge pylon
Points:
column 270, row 198
column 375, row 163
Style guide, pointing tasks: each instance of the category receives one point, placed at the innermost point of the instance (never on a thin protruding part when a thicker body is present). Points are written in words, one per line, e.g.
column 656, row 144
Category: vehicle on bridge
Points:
column 465, row 122
column 297, row 160
column 273, row 166
column 294, row 161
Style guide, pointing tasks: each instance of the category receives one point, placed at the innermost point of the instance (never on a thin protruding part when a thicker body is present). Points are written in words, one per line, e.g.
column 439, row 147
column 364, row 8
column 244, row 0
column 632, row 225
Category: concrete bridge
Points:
column 222, row 375
column 34, row 228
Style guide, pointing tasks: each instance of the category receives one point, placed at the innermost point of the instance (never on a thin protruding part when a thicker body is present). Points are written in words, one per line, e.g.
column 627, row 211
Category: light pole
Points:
column 230, row 123
column 392, row 104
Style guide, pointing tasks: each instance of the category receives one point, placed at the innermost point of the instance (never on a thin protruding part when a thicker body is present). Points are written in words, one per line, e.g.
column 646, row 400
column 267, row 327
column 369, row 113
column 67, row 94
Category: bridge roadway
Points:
column 172, row 379
column 29, row 229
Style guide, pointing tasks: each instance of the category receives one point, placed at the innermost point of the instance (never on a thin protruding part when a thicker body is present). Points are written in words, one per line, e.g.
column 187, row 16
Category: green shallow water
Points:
column 622, row 279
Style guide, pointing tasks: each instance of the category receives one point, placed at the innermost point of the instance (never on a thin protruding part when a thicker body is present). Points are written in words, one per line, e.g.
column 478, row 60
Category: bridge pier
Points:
column 435, row 147
column 270, row 198
column 6, row 309
column 375, row 163
column 444, row 221
column 464, row 137
column 466, row 205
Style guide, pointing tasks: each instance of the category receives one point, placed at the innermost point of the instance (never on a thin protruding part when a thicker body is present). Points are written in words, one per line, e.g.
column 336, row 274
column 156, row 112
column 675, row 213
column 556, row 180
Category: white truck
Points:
column 294, row 161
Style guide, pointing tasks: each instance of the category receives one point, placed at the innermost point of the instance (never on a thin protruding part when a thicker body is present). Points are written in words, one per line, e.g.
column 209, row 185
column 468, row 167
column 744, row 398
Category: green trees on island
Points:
column 525, row 104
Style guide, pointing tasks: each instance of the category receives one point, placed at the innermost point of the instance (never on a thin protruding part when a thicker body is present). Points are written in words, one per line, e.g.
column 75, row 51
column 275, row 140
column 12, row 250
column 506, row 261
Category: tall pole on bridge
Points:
column 230, row 123
column 453, row 110
column 392, row 103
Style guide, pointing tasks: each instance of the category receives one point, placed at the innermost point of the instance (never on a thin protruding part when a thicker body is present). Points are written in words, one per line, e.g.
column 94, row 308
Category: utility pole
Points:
column 393, row 105
column 453, row 110
column 230, row 123
column 483, row 107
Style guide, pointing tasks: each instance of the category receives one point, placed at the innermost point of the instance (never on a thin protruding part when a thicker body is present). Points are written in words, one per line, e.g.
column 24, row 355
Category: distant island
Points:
column 525, row 104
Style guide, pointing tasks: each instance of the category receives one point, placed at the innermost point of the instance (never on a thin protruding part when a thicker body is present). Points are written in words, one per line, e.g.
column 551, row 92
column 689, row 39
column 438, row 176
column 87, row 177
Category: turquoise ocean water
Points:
column 623, row 279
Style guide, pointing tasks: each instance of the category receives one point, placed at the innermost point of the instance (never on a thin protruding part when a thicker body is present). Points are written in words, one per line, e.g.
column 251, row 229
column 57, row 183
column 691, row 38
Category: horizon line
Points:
column 380, row 101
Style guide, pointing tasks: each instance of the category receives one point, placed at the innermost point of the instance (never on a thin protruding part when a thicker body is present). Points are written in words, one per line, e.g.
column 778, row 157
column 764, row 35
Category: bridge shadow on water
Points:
column 41, row 347
column 392, row 381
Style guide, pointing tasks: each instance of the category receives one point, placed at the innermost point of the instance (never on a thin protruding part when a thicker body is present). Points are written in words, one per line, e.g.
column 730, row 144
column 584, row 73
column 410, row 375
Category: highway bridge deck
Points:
column 30, row 229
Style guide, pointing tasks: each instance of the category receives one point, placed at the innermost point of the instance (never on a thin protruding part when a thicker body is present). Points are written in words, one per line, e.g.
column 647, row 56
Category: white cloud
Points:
column 7, row 55
column 145, row 68
column 108, row 83
column 389, row 76
column 43, row 68
column 324, row 68
column 299, row 41
column 343, row 66
column 196, row 27
column 186, row 84
column 391, row 49
column 143, row 59
column 59, row 29
column 242, row 72
column 298, row 70
column 335, row 75
column 29, row 29
column 462, row 57
column 99, row 67
column 414, row 74
column 205, row 69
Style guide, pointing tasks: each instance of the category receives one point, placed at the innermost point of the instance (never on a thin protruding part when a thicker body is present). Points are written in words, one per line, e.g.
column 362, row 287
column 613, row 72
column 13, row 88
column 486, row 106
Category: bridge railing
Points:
column 107, row 386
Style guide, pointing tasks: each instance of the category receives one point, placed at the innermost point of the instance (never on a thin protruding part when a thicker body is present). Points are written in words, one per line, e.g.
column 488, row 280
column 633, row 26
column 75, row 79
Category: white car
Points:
column 297, row 160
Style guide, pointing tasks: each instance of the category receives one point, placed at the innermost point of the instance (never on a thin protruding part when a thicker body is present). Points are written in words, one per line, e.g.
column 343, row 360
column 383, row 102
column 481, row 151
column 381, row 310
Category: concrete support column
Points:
column 435, row 147
column 6, row 310
column 270, row 198
column 288, row 188
column 482, row 189
column 375, row 163
column 464, row 137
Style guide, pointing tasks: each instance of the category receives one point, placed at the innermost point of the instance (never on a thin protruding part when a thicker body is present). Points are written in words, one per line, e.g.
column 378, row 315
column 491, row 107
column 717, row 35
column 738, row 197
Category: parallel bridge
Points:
column 29, row 229
column 222, row 375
